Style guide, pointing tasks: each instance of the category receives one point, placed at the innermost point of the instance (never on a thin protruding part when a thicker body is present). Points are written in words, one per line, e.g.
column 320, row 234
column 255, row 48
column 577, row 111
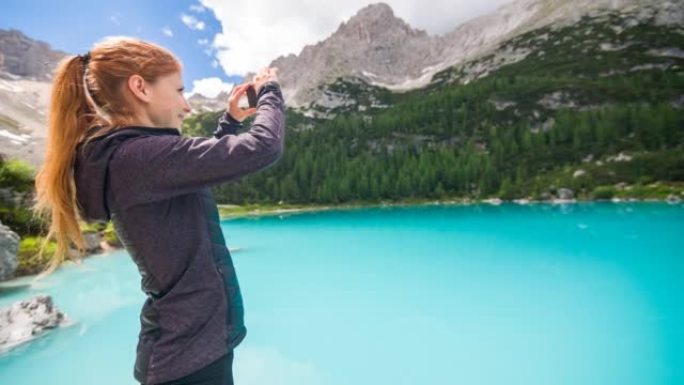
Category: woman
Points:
column 114, row 152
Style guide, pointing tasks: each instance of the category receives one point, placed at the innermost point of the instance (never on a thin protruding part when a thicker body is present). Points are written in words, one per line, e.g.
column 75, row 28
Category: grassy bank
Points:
column 651, row 192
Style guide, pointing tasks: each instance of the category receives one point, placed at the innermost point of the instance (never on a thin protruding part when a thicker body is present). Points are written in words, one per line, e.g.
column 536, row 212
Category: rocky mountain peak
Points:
column 25, row 57
column 375, row 11
column 373, row 44
column 375, row 22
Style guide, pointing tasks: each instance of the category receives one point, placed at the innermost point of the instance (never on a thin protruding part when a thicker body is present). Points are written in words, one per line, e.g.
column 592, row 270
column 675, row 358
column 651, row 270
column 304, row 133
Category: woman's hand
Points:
column 239, row 114
column 266, row 74
column 236, row 111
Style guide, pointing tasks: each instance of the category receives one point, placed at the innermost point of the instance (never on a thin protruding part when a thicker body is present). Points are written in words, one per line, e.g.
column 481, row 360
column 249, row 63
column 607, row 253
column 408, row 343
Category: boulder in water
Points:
column 26, row 320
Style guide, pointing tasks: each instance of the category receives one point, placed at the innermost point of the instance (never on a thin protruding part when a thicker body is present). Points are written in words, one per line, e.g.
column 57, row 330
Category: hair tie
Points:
column 85, row 59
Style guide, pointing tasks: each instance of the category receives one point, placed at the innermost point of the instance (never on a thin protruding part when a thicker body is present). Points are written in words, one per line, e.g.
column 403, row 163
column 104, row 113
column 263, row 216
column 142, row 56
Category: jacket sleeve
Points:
column 152, row 168
column 227, row 125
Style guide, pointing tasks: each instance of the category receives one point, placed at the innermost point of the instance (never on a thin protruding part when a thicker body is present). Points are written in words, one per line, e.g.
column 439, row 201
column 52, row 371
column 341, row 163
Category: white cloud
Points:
column 209, row 87
column 208, row 49
column 167, row 31
column 197, row 8
column 266, row 29
column 114, row 19
column 192, row 22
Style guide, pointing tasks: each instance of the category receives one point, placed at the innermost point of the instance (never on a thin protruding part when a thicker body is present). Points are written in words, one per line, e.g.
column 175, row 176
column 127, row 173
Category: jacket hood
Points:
column 91, row 166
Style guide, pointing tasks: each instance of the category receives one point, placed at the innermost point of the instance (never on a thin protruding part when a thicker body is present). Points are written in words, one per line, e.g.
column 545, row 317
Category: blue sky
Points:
column 73, row 26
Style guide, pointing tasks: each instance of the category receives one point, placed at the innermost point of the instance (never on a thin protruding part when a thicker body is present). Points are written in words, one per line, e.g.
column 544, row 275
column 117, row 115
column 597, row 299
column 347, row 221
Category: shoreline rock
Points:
column 9, row 246
column 92, row 241
column 565, row 194
column 522, row 201
column 564, row 198
column 493, row 201
column 673, row 199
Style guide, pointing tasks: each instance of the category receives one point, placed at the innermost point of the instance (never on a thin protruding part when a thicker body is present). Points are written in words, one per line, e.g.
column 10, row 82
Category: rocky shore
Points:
column 564, row 196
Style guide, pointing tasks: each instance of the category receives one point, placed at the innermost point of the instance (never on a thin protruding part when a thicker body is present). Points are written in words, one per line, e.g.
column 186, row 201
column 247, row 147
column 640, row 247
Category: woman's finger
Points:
column 234, row 92
column 239, row 91
column 240, row 88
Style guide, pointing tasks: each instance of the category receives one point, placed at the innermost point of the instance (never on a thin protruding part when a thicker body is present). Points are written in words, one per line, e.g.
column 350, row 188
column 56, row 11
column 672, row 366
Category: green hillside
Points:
column 595, row 107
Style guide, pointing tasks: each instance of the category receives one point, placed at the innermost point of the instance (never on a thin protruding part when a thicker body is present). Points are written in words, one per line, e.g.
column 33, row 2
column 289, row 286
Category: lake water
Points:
column 588, row 293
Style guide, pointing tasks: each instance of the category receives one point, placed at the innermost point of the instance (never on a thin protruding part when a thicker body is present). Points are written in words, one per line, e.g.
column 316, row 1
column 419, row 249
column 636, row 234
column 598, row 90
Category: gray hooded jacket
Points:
column 154, row 185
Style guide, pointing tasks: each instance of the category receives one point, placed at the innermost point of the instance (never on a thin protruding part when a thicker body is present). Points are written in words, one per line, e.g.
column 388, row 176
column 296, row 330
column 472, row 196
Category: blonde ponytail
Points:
column 87, row 91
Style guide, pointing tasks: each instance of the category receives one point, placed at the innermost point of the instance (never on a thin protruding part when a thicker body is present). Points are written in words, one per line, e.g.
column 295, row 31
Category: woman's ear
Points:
column 139, row 88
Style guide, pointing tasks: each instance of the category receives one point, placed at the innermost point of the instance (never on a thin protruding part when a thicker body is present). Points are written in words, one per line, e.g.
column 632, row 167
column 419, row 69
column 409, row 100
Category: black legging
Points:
column 219, row 372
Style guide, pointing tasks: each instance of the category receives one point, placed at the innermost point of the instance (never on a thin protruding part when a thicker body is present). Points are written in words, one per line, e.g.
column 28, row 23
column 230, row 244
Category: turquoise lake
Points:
column 541, row 294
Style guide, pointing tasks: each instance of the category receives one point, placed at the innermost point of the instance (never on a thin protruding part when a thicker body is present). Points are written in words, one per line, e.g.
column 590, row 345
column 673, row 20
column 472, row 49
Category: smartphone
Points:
column 251, row 96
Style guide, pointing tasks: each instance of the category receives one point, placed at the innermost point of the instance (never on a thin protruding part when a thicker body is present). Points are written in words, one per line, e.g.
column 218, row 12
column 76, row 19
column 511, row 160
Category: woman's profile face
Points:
column 168, row 107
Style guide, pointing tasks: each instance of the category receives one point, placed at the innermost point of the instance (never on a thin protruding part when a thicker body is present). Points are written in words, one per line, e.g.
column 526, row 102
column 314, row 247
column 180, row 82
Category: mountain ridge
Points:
column 411, row 62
